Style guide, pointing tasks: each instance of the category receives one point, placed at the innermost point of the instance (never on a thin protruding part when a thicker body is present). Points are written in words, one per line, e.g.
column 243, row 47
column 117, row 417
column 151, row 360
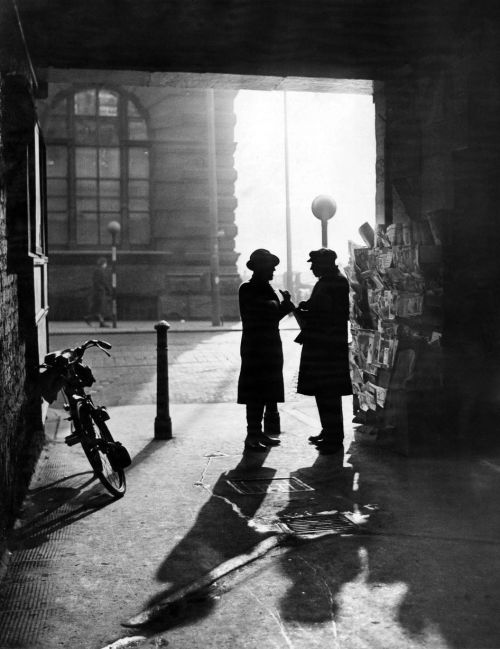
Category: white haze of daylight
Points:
column 331, row 141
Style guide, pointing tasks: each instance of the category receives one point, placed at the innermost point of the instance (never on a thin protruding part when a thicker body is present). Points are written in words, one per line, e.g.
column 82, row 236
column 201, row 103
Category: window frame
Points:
column 125, row 145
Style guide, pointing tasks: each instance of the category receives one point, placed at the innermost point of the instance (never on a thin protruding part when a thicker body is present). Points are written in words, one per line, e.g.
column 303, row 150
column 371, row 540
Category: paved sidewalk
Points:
column 421, row 572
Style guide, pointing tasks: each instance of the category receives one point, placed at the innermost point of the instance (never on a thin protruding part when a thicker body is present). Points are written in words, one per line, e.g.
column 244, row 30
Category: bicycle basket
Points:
column 51, row 382
column 118, row 456
column 85, row 375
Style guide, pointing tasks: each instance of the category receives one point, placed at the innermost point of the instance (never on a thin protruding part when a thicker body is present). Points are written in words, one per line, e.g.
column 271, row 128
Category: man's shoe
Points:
column 103, row 324
column 316, row 439
column 87, row 320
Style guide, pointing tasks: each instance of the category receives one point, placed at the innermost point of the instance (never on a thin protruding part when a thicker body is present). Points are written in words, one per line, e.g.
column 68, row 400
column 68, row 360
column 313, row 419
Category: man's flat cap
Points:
column 323, row 256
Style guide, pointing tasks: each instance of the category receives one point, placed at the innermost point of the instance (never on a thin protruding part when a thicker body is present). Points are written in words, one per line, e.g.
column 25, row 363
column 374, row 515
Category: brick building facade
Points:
column 139, row 156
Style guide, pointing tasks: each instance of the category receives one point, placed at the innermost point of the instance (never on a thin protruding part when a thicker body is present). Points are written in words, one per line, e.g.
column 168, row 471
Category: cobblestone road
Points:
column 203, row 366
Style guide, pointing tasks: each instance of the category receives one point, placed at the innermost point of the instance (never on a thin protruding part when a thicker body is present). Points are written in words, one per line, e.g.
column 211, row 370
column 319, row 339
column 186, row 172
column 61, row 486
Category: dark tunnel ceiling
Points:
column 322, row 38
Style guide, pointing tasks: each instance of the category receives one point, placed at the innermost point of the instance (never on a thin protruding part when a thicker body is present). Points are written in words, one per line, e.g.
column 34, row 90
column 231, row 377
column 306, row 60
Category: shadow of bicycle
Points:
column 50, row 508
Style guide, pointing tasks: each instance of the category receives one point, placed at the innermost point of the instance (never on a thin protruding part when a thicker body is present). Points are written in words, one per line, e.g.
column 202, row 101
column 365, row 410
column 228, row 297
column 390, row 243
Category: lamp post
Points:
column 113, row 228
column 288, row 224
column 213, row 205
column 324, row 207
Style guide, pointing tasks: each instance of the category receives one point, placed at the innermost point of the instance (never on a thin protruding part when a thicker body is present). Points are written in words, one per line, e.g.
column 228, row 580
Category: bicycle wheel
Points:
column 95, row 437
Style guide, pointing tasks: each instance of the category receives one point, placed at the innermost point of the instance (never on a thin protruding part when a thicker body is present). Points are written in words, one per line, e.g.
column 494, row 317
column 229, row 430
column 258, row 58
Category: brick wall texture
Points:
column 12, row 381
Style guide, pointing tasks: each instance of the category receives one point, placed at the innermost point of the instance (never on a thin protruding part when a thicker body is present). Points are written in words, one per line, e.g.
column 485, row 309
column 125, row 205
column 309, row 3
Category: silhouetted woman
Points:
column 260, row 385
column 101, row 290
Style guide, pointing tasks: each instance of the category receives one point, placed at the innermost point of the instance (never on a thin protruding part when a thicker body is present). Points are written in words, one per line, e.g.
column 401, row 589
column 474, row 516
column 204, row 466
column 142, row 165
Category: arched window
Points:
column 97, row 170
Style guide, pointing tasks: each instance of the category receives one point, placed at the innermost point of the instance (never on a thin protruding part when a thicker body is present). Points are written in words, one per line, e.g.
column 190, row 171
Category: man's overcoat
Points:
column 261, row 375
column 324, row 362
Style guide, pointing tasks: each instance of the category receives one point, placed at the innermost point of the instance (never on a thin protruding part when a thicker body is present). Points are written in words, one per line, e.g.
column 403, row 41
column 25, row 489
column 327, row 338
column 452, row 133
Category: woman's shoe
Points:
column 272, row 430
column 255, row 447
column 268, row 441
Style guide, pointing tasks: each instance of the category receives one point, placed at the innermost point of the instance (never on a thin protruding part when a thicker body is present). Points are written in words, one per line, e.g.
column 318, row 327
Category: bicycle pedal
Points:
column 72, row 439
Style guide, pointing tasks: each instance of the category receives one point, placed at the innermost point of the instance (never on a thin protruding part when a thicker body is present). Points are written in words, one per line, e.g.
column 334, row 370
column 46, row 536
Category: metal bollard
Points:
column 163, row 423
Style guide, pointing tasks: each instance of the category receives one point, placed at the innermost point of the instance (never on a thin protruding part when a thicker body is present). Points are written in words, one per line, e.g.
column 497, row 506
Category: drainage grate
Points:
column 24, row 593
column 19, row 628
column 273, row 485
column 41, row 552
column 26, row 602
column 50, row 472
column 333, row 523
column 25, row 566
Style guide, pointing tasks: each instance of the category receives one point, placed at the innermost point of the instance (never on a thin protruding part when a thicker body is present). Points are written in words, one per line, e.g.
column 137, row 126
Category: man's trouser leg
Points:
column 330, row 414
column 272, row 419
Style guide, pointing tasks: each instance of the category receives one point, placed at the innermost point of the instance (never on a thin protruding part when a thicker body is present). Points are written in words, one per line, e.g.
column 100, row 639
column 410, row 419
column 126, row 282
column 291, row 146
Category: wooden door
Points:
column 37, row 242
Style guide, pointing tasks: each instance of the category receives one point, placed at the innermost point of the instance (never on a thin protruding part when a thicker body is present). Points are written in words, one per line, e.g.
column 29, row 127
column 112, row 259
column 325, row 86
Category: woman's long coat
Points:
column 324, row 361
column 261, row 375
column 100, row 291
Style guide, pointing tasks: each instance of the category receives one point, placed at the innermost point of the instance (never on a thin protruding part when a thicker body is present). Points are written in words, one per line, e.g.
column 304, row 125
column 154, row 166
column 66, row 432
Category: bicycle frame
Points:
column 66, row 372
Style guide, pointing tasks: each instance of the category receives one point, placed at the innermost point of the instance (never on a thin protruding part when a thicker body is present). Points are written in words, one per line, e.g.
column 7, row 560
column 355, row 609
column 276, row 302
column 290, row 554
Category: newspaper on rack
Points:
column 365, row 259
column 379, row 392
column 373, row 278
column 406, row 258
column 383, row 259
column 374, row 350
column 389, row 329
column 396, row 277
column 409, row 305
column 382, row 303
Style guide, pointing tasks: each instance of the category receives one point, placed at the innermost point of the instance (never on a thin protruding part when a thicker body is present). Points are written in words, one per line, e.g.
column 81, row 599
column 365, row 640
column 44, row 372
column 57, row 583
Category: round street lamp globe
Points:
column 114, row 227
column 323, row 207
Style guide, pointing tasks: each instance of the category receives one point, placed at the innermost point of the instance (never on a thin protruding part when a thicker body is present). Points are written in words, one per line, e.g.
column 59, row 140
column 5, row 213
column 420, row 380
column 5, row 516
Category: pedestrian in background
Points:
column 260, row 384
column 100, row 292
column 324, row 361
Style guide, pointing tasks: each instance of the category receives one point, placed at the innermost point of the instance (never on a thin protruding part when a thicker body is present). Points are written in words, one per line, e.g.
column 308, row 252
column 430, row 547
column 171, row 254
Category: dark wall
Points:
column 300, row 38
column 21, row 433
column 442, row 156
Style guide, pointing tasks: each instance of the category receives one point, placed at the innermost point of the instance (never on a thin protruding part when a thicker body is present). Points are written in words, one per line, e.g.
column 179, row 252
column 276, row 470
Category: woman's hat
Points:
column 262, row 257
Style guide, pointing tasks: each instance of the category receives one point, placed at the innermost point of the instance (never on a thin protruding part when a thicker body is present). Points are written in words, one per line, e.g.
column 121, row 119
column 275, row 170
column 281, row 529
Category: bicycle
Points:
column 65, row 371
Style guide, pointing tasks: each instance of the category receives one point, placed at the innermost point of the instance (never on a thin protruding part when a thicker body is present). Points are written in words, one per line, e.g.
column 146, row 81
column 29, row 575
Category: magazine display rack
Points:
column 396, row 326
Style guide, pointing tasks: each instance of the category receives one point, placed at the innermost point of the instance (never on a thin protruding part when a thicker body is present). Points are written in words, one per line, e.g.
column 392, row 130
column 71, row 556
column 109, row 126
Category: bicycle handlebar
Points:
column 96, row 343
column 75, row 354
column 102, row 344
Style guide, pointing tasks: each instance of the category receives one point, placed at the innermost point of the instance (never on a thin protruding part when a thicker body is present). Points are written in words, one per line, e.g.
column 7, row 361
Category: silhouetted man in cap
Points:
column 324, row 361
column 260, row 384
